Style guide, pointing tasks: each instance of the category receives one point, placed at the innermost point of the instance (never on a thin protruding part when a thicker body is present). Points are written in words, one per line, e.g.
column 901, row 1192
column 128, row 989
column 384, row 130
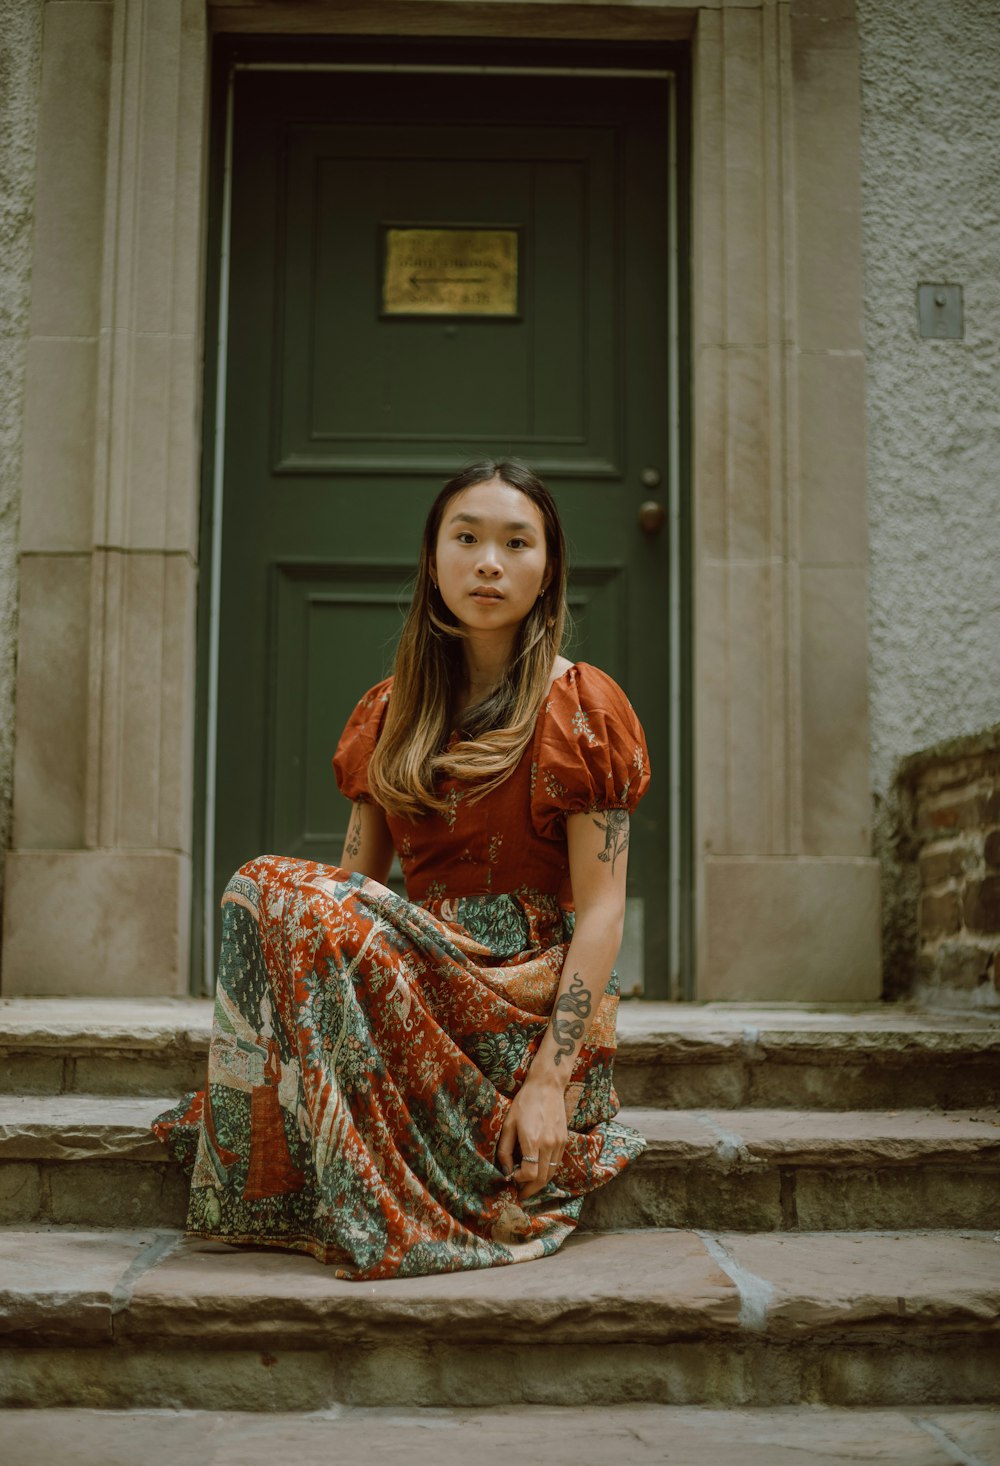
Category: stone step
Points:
column 90, row 1160
column 150, row 1319
column 687, row 1056
column 875, row 1056
column 628, row 1435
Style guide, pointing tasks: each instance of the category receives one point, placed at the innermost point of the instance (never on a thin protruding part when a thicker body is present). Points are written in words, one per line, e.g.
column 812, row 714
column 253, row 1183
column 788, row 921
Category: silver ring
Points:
column 529, row 1160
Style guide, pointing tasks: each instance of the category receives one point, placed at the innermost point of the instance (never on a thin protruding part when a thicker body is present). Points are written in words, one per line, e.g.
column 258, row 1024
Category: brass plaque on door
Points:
column 449, row 271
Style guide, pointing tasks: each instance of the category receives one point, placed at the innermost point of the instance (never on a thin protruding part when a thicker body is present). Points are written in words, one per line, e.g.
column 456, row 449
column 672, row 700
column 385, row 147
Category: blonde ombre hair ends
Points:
column 411, row 754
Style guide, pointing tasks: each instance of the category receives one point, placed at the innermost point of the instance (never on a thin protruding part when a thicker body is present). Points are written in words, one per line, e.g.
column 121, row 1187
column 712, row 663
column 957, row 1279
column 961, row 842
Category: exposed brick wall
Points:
column 952, row 796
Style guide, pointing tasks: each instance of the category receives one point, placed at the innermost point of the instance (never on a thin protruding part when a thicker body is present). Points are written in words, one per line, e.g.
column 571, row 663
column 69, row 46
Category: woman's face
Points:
column 490, row 560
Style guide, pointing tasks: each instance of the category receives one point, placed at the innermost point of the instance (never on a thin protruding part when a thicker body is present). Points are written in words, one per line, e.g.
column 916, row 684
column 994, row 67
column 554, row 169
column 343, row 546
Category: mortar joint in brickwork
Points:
column 787, row 1199
column 149, row 1254
column 953, row 815
column 730, row 1148
column 755, row 1293
column 948, row 1444
column 750, row 1044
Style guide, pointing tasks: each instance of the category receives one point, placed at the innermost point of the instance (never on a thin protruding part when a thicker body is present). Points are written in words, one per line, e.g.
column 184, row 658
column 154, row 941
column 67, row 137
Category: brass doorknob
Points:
column 652, row 517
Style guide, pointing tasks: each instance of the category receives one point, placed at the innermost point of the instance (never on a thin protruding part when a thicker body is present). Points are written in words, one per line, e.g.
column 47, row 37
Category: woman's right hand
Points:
column 536, row 1124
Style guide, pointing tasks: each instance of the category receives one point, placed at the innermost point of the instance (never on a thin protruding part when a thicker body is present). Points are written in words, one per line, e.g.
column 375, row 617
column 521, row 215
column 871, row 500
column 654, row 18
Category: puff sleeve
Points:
column 358, row 740
column 590, row 751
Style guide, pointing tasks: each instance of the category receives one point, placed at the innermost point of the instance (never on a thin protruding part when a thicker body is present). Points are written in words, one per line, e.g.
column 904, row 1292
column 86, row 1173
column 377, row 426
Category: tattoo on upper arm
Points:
column 576, row 1000
column 614, row 823
column 353, row 842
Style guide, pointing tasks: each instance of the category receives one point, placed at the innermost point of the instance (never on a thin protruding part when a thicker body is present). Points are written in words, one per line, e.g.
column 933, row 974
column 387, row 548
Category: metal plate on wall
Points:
column 939, row 312
column 447, row 270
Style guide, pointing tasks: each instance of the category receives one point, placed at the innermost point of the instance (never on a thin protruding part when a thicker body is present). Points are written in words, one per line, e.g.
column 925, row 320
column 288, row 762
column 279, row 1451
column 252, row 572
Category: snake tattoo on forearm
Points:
column 566, row 1031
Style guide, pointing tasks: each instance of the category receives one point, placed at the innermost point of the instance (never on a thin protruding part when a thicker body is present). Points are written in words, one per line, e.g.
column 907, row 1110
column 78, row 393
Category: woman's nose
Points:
column 489, row 563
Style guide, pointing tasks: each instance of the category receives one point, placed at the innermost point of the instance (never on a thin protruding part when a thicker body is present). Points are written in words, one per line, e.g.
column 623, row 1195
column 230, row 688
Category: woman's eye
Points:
column 517, row 544
column 465, row 538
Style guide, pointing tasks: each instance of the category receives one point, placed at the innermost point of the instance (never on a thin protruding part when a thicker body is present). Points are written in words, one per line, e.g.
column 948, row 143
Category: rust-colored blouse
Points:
column 588, row 753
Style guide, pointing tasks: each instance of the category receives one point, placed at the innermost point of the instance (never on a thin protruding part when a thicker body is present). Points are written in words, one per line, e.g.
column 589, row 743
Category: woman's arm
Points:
column 368, row 846
column 598, row 861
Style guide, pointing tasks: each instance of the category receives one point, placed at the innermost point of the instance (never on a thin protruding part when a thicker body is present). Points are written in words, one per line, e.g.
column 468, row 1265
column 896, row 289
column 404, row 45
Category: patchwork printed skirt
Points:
column 364, row 1054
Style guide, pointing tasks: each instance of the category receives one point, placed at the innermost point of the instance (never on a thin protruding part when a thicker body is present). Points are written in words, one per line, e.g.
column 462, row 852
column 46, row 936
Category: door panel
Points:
column 342, row 420
column 364, row 393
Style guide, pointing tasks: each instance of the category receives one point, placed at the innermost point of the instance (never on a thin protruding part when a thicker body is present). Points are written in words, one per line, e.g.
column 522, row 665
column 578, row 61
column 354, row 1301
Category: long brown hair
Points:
column 430, row 670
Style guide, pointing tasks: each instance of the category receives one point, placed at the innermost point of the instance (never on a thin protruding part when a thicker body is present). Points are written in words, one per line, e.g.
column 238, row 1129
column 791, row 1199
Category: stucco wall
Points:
column 20, row 53
column 931, row 200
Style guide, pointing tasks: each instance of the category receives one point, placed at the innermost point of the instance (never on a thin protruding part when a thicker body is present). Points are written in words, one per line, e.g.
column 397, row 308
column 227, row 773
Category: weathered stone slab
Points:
column 142, row 1073
column 628, row 1286
column 91, row 1160
column 660, row 1193
column 607, row 1320
column 106, row 1046
column 436, row 1374
column 21, row 1198
column 748, row 1021
column 115, row 1023
column 32, row 1073
column 101, row 1194
column 800, row 1284
column 923, row 1369
column 56, row 1285
column 686, row 1055
column 163, row 1379
column 863, row 1137
column 629, row 1435
column 728, row 1056
column 78, row 1127
column 704, row 1031
column 829, row 1198
column 976, row 1432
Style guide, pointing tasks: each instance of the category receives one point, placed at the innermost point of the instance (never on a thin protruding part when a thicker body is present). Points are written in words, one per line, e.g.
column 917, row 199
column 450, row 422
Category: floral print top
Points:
column 588, row 753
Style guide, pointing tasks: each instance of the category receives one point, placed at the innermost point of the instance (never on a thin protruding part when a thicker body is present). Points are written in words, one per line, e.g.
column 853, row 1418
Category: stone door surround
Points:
column 98, row 880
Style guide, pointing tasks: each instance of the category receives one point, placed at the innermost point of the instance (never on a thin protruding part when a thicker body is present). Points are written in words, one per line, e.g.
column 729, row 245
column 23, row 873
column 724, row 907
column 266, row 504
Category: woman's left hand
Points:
column 536, row 1122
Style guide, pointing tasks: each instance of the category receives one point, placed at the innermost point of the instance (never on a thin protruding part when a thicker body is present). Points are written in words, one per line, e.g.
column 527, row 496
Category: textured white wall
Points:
column 930, row 73
column 20, row 55
column 931, row 198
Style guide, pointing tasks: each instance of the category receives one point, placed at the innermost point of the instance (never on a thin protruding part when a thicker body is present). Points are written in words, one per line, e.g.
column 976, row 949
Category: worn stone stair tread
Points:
column 713, row 1056
column 163, row 1289
column 162, row 1023
column 629, row 1435
column 114, row 1023
column 820, row 1137
column 96, row 1127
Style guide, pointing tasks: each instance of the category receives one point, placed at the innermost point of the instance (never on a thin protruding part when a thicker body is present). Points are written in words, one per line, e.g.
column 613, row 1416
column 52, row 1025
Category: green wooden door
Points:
column 342, row 420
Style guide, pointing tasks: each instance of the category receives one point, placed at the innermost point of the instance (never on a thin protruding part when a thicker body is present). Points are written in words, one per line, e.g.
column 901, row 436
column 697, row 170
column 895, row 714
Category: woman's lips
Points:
column 486, row 595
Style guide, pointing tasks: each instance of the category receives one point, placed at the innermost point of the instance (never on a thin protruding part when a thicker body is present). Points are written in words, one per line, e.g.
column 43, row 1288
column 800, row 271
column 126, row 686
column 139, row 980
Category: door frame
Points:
column 786, row 885
column 235, row 55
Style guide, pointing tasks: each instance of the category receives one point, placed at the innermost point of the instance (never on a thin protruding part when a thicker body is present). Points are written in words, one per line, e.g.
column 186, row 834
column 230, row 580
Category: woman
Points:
column 422, row 1085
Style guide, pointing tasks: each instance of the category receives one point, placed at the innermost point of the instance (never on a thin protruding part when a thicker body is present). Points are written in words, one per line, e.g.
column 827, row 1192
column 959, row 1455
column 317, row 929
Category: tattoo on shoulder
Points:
column 566, row 1031
column 353, row 843
column 615, row 824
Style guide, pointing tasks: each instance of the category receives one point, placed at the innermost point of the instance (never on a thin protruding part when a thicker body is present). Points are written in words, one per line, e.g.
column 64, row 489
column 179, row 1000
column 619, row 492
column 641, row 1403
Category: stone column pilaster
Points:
column 98, row 880
column 788, row 893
